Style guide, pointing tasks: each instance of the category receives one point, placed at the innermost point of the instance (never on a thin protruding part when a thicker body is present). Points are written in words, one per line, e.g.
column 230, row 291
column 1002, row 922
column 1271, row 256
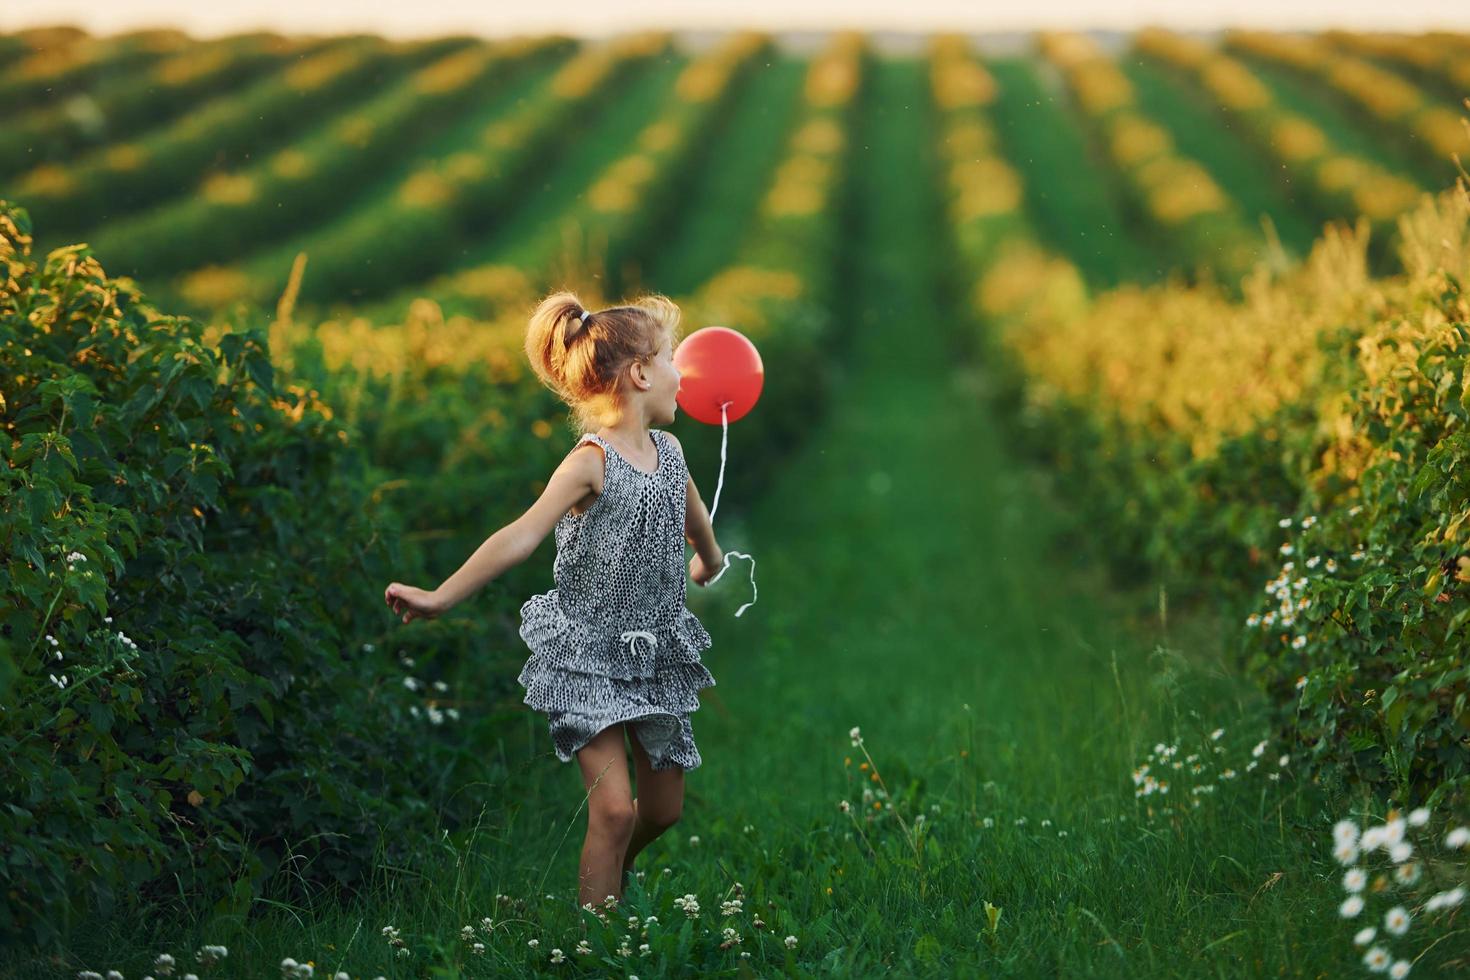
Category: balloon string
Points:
column 724, row 438
column 719, row 483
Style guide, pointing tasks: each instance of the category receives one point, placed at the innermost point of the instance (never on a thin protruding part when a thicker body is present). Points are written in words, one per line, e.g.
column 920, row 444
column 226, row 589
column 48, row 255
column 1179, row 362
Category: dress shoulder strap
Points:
column 586, row 436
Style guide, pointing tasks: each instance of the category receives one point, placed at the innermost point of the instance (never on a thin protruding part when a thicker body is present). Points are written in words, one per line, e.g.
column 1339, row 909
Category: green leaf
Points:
column 1394, row 715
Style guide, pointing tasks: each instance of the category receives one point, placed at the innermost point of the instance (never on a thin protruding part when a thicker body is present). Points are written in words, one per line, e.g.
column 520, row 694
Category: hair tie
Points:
column 585, row 315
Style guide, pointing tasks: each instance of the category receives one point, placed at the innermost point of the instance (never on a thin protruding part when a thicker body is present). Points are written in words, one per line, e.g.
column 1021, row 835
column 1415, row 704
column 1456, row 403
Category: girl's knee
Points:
column 615, row 819
column 662, row 815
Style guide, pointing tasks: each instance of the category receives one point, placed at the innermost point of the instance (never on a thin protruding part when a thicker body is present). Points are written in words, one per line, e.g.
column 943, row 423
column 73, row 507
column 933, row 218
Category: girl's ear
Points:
column 637, row 376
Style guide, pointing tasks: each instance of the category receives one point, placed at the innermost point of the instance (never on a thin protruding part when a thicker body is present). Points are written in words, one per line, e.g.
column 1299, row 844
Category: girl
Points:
column 614, row 651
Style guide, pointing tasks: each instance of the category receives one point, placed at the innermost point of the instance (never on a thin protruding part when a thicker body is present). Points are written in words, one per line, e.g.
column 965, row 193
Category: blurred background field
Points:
column 1074, row 341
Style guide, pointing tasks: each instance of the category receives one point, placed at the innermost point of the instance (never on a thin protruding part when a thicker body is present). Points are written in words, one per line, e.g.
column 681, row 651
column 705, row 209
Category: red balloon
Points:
column 718, row 365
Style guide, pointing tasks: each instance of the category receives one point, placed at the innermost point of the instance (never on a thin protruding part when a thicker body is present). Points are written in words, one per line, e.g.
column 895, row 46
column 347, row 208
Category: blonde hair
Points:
column 582, row 359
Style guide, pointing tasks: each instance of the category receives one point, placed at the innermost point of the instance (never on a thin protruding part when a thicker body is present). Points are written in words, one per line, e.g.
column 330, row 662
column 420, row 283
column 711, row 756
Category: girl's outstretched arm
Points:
column 577, row 475
column 699, row 532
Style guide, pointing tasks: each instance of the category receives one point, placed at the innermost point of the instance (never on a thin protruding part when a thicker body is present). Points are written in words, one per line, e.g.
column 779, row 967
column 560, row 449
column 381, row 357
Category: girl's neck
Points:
column 631, row 435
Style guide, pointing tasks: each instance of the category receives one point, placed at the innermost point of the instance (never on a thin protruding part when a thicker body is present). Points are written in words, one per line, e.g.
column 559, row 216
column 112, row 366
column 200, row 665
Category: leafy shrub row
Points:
column 1300, row 461
column 443, row 204
column 193, row 684
column 160, row 92
column 64, row 197
column 1338, row 184
column 1172, row 191
column 313, row 177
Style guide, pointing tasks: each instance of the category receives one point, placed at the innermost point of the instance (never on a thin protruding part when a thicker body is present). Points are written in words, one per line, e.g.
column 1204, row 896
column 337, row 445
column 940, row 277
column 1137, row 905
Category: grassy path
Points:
column 907, row 588
column 728, row 187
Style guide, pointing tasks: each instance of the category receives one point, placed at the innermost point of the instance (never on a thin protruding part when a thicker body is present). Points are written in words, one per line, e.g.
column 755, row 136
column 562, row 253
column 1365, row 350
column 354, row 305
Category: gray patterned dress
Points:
column 614, row 642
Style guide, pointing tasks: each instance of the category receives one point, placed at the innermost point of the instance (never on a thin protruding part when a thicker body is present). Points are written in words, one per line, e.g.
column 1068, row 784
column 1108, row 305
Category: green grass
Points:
column 1074, row 202
column 727, row 190
column 1201, row 133
column 909, row 585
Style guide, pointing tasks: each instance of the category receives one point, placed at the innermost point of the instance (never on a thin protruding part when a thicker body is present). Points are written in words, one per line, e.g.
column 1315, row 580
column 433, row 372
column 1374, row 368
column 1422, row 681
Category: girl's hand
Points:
column 702, row 573
column 412, row 603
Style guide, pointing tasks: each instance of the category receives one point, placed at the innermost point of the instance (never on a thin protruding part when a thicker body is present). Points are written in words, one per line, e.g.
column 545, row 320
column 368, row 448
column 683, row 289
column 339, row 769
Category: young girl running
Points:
column 614, row 650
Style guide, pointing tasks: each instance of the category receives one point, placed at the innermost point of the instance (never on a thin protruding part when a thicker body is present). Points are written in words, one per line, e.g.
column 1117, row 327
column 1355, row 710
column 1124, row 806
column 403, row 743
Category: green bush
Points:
column 1372, row 667
column 1349, row 503
column 194, row 558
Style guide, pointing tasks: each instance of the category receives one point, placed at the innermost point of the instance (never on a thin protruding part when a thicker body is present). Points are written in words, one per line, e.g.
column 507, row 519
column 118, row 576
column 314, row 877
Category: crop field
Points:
column 1109, row 489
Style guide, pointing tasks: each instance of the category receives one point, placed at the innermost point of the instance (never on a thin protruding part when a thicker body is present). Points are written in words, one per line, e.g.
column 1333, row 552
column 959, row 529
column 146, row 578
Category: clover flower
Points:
column 1445, row 900
column 1407, row 874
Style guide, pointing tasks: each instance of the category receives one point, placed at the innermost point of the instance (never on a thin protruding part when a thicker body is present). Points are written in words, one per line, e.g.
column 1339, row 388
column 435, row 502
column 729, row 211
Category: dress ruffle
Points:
column 558, row 640
column 586, row 679
column 673, row 688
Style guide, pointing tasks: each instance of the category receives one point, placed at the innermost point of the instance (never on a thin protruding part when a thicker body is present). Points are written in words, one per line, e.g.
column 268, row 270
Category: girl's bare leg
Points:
column 610, row 816
column 659, row 803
